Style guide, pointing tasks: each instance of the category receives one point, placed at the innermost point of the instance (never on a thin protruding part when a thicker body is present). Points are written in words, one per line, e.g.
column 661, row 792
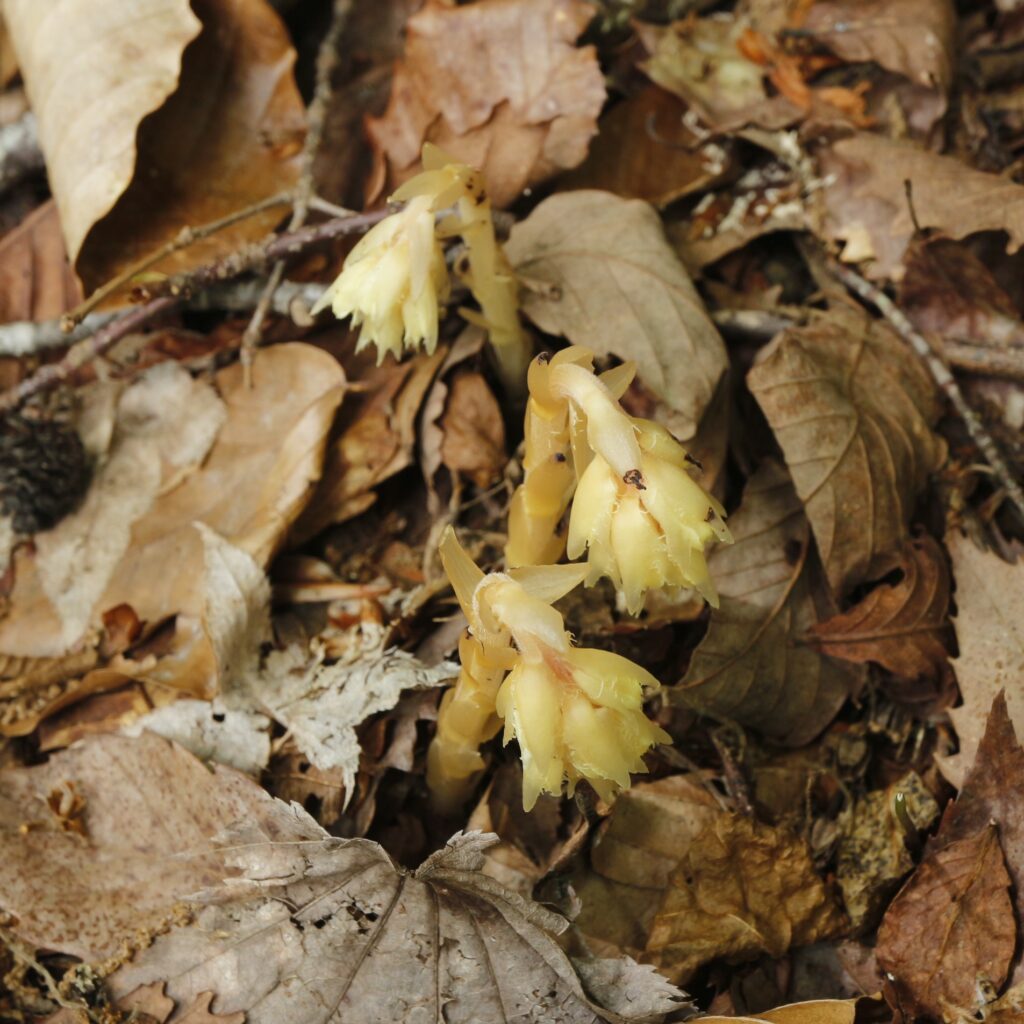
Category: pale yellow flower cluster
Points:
column 395, row 280
column 577, row 713
column 637, row 513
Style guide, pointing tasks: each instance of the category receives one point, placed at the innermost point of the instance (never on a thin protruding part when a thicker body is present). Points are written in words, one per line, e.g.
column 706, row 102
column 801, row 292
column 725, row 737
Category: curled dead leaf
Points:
column 517, row 113
column 474, row 431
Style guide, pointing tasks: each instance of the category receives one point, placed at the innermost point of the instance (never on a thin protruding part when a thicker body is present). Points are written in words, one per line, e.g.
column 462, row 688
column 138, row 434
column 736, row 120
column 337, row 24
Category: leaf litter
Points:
column 233, row 672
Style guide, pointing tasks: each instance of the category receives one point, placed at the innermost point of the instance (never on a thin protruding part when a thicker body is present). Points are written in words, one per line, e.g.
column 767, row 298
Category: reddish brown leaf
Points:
column 951, row 926
column 474, row 432
column 902, row 626
column 498, row 84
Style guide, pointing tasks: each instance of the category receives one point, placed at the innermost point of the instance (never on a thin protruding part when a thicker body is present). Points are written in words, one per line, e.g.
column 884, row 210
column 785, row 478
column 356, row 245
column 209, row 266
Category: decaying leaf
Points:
column 751, row 666
column 873, row 858
column 149, row 808
column 866, row 200
column 851, row 407
column 474, row 432
column 677, row 882
column 321, row 704
column 990, row 634
column 913, row 38
column 902, row 626
column 643, row 151
column 605, row 277
column 949, row 935
column 519, row 113
column 815, row 1011
column 133, row 146
column 636, row 992
column 322, row 930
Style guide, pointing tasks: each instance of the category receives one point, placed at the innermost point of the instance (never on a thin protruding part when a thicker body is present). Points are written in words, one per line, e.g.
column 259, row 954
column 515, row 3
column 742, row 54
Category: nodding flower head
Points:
column 577, row 713
column 394, row 282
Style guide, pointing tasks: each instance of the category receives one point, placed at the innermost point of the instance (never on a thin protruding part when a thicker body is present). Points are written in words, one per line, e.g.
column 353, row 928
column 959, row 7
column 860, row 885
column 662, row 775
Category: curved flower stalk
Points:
column 395, row 280
column 639, row 516
column 577, row 713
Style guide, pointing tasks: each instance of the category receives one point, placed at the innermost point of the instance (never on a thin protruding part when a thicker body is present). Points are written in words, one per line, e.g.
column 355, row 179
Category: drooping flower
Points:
column 636, row 511
column 393, row 283
column 577, row 713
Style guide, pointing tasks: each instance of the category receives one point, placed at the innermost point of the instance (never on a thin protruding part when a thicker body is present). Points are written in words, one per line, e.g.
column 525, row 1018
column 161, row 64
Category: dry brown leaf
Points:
column 474, row 431
column 990, row 634
column 751, row 666
column 951, row 928
column 609, row 280
column 146, row 802
column 36, row 282
column 226, row 132
column 678, row 882
column 866, row 201
column 851, row 407
column 902, row 626
column 815, row 1011
column 320, row 930
column 913, row 38
column 873, row 858
column 196, row 551
column 990, row 793
column 643, row 151
column 498, row 84
column 948, row 290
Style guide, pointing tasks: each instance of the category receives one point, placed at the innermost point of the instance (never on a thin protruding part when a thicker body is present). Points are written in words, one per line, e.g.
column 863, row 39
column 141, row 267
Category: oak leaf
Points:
column 599, row 270
column 751, row 666
column 498, row 84
column 902, row 626
column 990, row 634
column 851, row 406
column 951, row 927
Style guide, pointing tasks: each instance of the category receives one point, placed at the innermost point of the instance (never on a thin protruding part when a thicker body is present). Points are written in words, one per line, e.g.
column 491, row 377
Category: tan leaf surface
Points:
column 851, row 407
column 866, row 203
column 751, row 666
column 36, row 282
column 498, row 84
column 990, row 634
column 914, row 38
column 643, row 151
column 678, row 882
column 225, row 132
column 474, row 431
column 318, row 930
column 147, row 801
column 89, row 91
column 614, row 284
column 902, row 626
column 814, row 1011
column 951, row 925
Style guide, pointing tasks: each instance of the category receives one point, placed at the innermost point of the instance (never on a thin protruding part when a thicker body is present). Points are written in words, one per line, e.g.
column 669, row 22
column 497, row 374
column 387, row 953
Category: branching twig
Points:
column 941, row 375
column 326, row 61
column 168, row 294
column 182, row 240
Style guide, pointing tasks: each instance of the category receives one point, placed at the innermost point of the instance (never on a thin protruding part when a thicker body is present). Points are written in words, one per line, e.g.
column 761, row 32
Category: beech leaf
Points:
column 469, row 83
column 608, row 279
column 751, row 667
column 951, row 927
column 851, row 407
column 902, row 626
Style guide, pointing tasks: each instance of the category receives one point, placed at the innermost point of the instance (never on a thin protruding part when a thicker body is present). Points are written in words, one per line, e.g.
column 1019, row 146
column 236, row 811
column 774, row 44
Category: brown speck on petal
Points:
column 635, row 479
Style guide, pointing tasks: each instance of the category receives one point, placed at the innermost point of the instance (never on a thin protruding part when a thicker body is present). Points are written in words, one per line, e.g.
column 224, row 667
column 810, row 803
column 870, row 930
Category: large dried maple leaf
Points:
column 990, row 633
column 500, row 85
column 851, row 407
column 751, row 666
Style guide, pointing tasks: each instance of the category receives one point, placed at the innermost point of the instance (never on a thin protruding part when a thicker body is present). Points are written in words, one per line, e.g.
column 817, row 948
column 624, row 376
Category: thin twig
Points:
column 326, row 61
column 167, row 294
column 941, row 375
column 182, row 240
